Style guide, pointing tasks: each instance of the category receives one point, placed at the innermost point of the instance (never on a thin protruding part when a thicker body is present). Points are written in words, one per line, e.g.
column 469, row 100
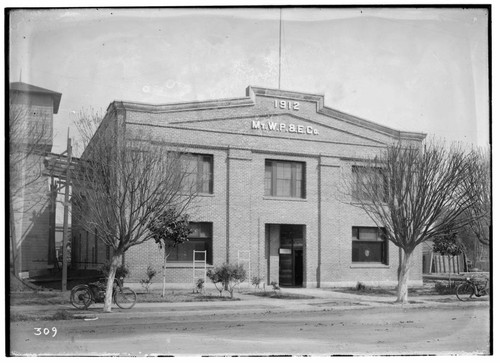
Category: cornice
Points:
column 249, row 100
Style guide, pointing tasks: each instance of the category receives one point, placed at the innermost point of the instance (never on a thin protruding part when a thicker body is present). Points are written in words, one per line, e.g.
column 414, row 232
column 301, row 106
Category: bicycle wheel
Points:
column 464, row 292
column 81, row 297
column 125, row 298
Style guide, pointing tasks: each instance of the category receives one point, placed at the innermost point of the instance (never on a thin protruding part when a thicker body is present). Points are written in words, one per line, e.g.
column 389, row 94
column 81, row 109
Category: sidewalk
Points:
column 321, row 300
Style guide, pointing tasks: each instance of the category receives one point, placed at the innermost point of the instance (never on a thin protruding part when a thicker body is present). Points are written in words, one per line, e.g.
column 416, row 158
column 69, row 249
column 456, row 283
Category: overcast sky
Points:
column 423, row 70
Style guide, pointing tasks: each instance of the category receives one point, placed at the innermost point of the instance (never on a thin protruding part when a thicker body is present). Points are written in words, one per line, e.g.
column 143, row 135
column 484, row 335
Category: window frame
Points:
column 200, row 173
column 358, row 194
column 207, row 240
column 380, row 240
column 295, row 182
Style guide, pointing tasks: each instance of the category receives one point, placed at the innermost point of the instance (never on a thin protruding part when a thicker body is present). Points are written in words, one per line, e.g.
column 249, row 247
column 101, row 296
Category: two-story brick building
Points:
column 273, row 165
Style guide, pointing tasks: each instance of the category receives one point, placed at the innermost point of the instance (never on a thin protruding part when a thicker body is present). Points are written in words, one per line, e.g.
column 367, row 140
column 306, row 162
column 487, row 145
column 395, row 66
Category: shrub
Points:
column 445, row 289
column 146, row 282
column 360, row 286
column 256, row 281
column 226, row 277
column 276, row 287
column 200, row 285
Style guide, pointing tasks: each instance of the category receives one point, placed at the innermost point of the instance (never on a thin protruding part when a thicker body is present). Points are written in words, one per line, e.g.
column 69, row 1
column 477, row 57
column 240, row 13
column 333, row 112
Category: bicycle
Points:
column 82, row 296
column 469, row 288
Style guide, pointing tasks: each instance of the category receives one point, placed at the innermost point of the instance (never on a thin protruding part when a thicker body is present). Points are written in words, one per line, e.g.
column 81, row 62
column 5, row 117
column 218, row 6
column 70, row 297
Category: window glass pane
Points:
column 367, row 251
column 205, row 230
column 368, row 245
column 283, row 188
column 284, row 179
column 298, row 168
column 185, row 252
column 198, row 169
column 195, row 229
column 368, row 234
column 268, row 179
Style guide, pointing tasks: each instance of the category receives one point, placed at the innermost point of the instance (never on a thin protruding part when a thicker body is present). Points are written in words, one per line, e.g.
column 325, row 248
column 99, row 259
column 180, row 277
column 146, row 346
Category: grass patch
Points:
column 36, row 298
column 273, row 295
column 180, row 296
column 428, row 289
column 34, row 316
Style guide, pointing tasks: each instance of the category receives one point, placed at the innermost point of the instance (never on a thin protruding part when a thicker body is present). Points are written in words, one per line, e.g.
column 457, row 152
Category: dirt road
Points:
column 443, row 329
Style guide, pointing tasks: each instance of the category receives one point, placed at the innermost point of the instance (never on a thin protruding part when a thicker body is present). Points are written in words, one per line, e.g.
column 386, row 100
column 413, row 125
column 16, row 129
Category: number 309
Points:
column 46, row 331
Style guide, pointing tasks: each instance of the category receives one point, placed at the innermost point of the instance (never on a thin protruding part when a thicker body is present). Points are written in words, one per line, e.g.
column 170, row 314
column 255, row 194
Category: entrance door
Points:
column 298, row 270
column 291, row 256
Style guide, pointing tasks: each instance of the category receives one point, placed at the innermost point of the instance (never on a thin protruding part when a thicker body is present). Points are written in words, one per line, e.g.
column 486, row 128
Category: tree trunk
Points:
column 449, row 270
column 164, row 276
column 404, row 273
column 13, row 238
column 108, row 299
column 165, row 257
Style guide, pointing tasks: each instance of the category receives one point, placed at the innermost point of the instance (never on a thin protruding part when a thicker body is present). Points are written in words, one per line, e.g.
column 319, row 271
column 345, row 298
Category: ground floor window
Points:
column 369, row 245
column 200, row 239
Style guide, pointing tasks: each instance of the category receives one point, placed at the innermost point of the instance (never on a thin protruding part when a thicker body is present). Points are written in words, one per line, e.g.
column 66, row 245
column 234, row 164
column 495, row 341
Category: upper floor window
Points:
column 285, row 179
column 369, row 184
column 369, row 245
column 199, row 169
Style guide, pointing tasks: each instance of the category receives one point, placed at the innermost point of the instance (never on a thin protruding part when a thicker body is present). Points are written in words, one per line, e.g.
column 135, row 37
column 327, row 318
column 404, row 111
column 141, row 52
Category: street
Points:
column 435, row 329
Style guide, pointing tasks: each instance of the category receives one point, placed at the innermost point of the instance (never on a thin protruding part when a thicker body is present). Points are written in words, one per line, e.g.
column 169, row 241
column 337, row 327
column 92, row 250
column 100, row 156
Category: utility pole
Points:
column 65, row 225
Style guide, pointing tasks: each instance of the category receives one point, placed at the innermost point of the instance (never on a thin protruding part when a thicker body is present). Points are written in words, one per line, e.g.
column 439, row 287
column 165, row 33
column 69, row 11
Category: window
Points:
column 369, row 184
column 369, row 245
column 284, row 179
column 200, row 239
column 199, row 169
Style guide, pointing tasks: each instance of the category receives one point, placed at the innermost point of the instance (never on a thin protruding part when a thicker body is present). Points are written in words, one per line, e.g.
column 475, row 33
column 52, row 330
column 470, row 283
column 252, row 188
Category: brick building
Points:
column 31, row 111
column 273, row 164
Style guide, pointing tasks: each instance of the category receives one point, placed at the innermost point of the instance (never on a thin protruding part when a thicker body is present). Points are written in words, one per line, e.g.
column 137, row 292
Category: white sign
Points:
column 285, row 251
column 284, row 127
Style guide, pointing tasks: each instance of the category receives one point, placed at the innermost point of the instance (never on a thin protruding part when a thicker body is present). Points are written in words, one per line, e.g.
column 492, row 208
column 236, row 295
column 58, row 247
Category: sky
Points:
column 412, row 69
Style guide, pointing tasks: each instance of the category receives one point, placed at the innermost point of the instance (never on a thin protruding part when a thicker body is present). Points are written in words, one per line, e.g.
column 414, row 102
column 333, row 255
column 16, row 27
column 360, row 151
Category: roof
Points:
column 29, row 88
column 251, row 92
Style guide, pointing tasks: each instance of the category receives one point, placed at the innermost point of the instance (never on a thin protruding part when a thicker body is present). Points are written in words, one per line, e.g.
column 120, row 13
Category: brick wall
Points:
column 239, row 211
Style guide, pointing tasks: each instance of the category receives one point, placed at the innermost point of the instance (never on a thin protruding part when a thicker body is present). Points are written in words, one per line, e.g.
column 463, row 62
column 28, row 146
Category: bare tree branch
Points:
column 123, row 185
column 416, row 193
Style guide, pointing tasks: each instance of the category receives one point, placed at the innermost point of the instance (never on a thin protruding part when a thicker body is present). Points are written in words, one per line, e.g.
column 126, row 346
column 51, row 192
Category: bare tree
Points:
column 87, row 122
column 478, row 185
column 415, row 193
column 122, row 186
column 30, row 136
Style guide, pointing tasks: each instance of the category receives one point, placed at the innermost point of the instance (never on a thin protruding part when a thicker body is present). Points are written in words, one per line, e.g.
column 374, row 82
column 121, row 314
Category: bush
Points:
column 445, row 289
column 360, row 286
column 276, row 287
column 150, row 274
column 200, row 285
column 226, row 277
column 256, row 281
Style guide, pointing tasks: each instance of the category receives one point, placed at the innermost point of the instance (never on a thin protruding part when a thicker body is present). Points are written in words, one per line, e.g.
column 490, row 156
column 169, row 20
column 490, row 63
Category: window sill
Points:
column 368, row 265
column 186, row 264
column 205, row 194
column 285, row 199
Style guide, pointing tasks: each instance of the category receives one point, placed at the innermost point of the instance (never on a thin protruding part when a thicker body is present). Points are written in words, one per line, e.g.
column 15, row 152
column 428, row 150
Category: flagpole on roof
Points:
column 279, row 63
